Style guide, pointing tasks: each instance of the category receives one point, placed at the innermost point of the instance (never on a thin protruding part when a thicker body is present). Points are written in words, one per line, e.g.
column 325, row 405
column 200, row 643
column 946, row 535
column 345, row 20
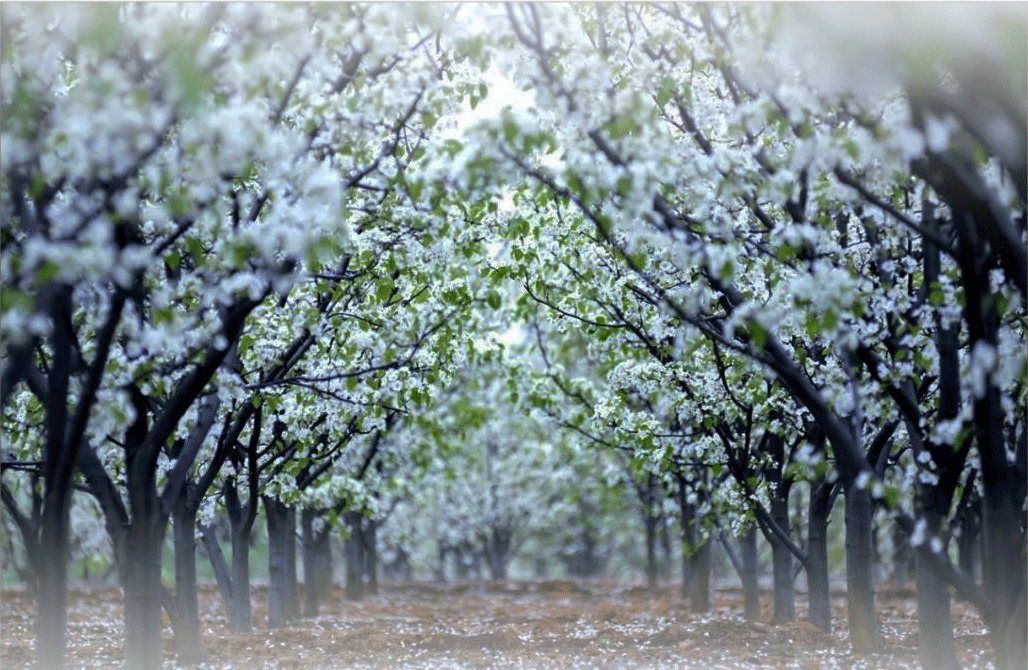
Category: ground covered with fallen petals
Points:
column 554, row 624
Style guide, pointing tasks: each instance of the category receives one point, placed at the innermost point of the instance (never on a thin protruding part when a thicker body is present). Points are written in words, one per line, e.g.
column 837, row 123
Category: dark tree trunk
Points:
column 58, row 467
column 497, row 551
column 240, row 614
column 969, row 515
column 750, row 573
column 818, row 595
column 317, row 563
column 222, row 573
column 369, row 537
column 188, row 642
column 865, row 635
column 143, row 583
column 292, row 582
column 781, row 559
column 1004, row 568
column 699, row 594
column 984, row 239
column 665, row 545
column 52, row 588
column 687, row 512
column 281, row 544
column 440, row 571
column 935, row 625
column 902, row 558
column 145, row 536
column 650, row 521
column 354, row 557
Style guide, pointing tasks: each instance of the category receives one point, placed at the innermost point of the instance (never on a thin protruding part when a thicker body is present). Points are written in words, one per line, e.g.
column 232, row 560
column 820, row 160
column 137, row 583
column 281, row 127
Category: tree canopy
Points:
column 387, row 264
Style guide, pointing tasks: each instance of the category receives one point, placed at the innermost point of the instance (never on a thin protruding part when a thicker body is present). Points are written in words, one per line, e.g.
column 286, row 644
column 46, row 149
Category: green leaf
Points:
column 667, row 86
column 384, row 289
column 622, row 126
column 195, row 249
column 493, row 300
column 245, row 343
column 416, row 188
column 36, row 187
column 510, row 130
column 812, row 326
column 46, row 272
column 831, row 319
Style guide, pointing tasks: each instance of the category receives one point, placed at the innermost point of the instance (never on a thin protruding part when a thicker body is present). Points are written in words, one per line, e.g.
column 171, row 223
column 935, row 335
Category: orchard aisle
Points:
column 555, row 624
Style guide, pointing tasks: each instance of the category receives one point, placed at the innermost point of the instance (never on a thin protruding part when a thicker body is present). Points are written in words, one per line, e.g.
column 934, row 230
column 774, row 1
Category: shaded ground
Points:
column 556, row 624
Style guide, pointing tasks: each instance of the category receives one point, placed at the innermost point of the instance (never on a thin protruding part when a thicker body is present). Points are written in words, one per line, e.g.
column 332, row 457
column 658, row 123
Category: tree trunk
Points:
column 143, row 586
column 1004, row 568
column 969, row 541
column 688, row 522
column 317, row 563
column 440, row 572
column 781, row 559
column 58, row 469
column 281, row 543
column 188, row 642
column 292, row 582
column 651, row 520
column 699, row 595
column 934, row 623
column 665, row 546
column 354, row 557
column 52, row 586
column 902, row 557
column 497, row 551
column 750, row 572
column 369, row 538
column 819, row 600
column 218, row 565
column 865, row 635
column 240, row 614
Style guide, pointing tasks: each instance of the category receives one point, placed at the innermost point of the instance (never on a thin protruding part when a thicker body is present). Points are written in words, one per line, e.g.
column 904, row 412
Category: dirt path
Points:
column 556, row 624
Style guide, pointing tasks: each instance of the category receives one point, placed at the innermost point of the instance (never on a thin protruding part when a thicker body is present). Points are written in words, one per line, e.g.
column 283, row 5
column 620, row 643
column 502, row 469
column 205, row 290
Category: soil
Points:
column 552, row 624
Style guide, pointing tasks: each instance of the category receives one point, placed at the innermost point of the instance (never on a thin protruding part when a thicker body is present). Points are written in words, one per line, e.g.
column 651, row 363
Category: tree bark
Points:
column 865, row 636
column 687, row 513
column 934, row 623
column 240, row 614
column 650, row 520
column 354, row 557
column 819, row 599
column 317, row 563
column 699, row 593
column 143, row 583
column 369, row 537
column 281, row 543
column 781, row 559
column 188, row 641
column 750, row 572
column 52, row 588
